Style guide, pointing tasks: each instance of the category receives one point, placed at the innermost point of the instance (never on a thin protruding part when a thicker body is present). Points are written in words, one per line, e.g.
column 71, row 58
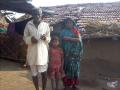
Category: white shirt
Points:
column 37, row 54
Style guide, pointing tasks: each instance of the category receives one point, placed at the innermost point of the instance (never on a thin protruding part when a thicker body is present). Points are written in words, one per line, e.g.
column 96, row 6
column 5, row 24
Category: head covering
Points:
column 74, row 29
column 37, row 11
column 69, row 19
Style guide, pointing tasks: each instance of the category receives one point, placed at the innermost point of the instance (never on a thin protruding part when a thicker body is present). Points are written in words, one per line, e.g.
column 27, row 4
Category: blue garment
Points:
column 72, row 54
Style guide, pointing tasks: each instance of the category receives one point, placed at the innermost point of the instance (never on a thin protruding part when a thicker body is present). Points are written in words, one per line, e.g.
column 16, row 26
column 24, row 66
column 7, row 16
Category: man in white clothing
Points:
column 37, row 37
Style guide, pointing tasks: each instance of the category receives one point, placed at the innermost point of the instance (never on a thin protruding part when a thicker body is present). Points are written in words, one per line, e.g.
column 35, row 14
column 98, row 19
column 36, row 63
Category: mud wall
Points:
column 104, row 48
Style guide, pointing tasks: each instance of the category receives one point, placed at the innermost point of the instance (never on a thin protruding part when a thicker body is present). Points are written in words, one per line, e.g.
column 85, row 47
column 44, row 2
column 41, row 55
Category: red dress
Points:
column 55, row 63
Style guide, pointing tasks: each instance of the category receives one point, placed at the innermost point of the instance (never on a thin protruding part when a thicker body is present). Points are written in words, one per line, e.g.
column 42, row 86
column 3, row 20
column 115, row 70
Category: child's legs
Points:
column 57, row 79
column 52, row 77
column 53, row 83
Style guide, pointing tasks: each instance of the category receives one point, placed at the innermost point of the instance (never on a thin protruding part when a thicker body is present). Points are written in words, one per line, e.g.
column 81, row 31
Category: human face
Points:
column 69, row 24
column 37, row 16
column 55, row 43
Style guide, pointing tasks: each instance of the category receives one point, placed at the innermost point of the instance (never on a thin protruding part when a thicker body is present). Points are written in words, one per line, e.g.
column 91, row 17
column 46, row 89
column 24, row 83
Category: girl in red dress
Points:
column 55, row 69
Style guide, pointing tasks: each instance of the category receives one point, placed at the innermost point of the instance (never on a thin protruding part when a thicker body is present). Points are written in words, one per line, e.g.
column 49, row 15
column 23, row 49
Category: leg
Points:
column 66, row 83
column 44, row 80
column 36, row 82
column 57, row 83
column 53, row 84
column 67, row 88
column 76, row 79
column 57, row 80
column 35, row 77
column 75, row 87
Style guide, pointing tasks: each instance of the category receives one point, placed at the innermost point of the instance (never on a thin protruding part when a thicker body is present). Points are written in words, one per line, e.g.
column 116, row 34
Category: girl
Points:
column 56, row 62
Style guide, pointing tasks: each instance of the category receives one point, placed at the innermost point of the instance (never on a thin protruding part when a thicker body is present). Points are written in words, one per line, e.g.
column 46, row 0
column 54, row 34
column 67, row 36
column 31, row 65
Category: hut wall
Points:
column 106, row 49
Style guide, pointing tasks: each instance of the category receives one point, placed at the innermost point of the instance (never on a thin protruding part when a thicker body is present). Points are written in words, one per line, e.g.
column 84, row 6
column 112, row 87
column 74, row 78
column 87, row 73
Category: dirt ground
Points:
column 94, row 76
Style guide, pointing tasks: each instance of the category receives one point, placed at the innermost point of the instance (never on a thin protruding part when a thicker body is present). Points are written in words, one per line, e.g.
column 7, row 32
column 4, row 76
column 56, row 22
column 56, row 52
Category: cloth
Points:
column 72, row 56
column 38, row 69
column 55, row 63
column 37, row 54
column 3, row 24
column 70, row 82
column 11, row 28
column 20, row 26
column 72, row 72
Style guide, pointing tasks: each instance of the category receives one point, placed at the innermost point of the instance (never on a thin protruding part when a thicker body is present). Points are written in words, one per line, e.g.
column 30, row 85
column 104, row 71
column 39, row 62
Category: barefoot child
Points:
column 55, row 70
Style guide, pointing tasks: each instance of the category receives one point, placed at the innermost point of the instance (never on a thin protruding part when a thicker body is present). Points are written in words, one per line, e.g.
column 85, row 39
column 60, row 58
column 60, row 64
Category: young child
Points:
column 55, row 69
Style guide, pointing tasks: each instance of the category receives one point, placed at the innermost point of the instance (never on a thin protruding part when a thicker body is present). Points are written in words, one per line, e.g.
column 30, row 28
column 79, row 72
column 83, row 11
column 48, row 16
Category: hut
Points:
column 12, row 46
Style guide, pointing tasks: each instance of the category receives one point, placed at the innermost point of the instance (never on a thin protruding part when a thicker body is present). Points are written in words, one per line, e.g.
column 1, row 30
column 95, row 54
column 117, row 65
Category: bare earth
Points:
column 14, row 77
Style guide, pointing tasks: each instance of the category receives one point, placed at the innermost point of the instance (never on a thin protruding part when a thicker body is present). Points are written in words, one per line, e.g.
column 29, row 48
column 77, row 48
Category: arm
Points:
column 81, row 53
column 77, row 36
column 62, row 61
column 46, row 37
column 49, row 54
column 72, row 39
column 27, row 37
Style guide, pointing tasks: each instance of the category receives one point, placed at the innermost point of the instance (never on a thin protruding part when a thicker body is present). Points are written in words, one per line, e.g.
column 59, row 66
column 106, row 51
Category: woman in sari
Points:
column 72, row 48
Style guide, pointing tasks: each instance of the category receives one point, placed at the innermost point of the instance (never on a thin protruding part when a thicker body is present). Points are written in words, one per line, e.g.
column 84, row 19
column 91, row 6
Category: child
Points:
column 55, row 69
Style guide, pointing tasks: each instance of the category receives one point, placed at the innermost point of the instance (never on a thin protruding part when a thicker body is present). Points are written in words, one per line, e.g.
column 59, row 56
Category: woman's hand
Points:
column 71, row 39
column 67, row 38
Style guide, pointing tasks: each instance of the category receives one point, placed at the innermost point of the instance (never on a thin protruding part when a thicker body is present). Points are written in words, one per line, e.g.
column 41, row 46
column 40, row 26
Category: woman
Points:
column 72, row 48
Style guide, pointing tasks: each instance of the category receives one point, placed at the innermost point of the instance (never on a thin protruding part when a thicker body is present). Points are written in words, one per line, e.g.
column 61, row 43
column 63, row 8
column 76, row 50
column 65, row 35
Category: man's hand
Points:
column 43, row 37
column 34, row 40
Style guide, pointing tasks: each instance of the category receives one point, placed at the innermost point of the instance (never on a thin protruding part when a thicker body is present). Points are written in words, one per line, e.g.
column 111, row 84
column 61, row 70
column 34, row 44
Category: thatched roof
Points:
column 21, row 6
column 16, row 5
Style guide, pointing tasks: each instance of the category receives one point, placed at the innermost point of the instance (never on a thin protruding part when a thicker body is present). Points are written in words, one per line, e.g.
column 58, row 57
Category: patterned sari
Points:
column 72, row 56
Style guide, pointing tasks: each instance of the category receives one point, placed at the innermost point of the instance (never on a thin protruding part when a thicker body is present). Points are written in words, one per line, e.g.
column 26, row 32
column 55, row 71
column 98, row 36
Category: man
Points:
column 37, row 37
